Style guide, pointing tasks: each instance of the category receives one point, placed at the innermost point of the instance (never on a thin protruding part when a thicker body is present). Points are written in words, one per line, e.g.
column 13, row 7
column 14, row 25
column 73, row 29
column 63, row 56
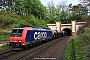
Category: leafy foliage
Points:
column 3, row 47
column 32, row 21
column 61, row 12
column 24, row 7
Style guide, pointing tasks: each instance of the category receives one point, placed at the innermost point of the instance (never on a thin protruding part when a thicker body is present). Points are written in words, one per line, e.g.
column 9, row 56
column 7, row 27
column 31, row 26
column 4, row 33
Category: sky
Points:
column 74, row 2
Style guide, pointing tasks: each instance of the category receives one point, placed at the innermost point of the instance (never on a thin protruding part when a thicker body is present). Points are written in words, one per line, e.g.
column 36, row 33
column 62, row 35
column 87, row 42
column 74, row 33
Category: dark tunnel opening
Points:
column 69, row 31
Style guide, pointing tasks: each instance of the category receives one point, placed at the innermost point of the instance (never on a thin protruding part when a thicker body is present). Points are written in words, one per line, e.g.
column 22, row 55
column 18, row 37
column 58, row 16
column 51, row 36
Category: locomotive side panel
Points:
column 35, row 35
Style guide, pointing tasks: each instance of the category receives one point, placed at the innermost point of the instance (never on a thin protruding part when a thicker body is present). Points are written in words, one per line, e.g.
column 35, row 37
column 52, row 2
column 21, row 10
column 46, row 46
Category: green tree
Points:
column 25, row 7
column 78, row 12
column 63, row 16
column 38, row 9
column 52, row 15
column 19, row 7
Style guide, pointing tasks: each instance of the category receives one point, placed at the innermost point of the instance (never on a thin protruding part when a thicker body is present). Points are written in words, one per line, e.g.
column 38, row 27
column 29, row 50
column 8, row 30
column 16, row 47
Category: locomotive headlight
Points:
column 19, row 41
column 23, row 44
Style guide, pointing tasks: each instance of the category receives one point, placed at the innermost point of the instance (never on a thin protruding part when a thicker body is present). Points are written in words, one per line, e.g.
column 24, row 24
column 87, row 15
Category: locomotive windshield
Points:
column 17, row 32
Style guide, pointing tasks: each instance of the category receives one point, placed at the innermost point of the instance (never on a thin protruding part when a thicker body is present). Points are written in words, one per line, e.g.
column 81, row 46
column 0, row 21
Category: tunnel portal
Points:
column 69, row 31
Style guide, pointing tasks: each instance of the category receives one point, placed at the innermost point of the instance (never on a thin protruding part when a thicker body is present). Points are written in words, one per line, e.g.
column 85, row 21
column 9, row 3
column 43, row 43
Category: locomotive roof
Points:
column 40, row 29
column 18, row 28
column 34, row 28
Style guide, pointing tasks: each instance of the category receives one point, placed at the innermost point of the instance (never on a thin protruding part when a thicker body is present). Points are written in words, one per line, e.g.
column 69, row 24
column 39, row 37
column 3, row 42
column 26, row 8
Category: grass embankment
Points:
column 79, row 46
column 9, row 21
column 3, row 47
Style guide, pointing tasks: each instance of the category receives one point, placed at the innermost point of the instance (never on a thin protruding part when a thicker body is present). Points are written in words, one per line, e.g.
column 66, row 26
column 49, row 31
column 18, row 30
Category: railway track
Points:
column 32, row 53
column 38, row 51
column 6, row 53
column 3, row 41
column 48, row 52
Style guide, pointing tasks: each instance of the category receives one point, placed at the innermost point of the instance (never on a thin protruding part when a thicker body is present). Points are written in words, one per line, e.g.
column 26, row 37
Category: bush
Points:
column 3, row 47
column 4, row 35
column 81, row 46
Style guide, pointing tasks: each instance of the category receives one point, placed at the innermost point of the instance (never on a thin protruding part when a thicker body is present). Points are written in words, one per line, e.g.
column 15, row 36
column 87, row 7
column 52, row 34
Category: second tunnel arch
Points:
column 69, row 31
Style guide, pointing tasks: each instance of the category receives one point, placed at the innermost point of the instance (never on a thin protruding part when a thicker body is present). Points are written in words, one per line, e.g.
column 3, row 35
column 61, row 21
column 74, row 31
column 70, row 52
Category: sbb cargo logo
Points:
column 40, row 35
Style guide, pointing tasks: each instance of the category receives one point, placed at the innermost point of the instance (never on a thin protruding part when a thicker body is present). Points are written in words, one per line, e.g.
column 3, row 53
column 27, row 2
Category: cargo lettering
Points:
column 40, row 35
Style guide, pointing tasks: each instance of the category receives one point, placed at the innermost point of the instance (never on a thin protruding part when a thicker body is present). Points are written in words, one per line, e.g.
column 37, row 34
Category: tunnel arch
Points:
column 69, row 31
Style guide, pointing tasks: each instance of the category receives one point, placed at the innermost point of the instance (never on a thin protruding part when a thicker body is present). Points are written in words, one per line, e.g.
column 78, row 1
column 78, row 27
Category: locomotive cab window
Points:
column 17, row 32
